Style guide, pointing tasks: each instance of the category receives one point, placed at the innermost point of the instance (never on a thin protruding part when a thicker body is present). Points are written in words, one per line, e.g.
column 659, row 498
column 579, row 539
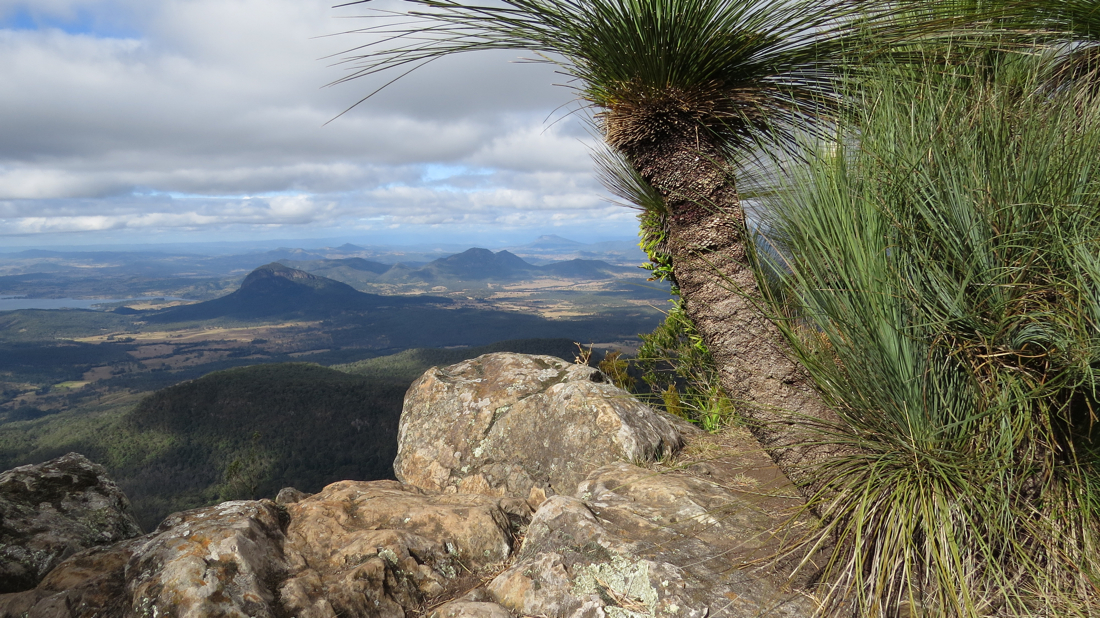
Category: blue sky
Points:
column 86, row 18
column 174, row 120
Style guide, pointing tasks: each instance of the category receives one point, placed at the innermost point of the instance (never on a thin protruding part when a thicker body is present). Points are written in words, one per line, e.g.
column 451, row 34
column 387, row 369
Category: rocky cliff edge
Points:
column 528, row 487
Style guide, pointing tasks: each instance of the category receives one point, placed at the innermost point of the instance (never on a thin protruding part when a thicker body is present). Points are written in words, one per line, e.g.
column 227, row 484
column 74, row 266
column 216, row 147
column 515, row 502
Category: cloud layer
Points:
column 187, row 116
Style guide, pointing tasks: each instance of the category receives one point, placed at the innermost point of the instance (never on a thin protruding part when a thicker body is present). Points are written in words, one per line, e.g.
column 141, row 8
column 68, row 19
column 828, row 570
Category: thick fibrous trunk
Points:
column 706, row 236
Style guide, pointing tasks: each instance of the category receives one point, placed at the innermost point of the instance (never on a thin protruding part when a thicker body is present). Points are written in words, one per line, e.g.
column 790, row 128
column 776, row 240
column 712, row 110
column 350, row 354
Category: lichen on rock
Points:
column 53, row 510
column 635, row 543
column 522, row 426
column 661, row 541
column 621, row 583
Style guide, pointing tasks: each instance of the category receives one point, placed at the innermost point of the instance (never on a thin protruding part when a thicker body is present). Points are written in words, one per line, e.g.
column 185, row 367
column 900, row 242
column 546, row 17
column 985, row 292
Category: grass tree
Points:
column 939, row 268
column 1075, row 26
column 682, row 91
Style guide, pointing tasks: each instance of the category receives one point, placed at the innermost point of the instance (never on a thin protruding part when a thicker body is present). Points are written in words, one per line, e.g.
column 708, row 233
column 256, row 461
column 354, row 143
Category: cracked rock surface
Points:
column 379, row 548
column 523, row 426
column 53, row 510
column 636, row 543
column 366, row 549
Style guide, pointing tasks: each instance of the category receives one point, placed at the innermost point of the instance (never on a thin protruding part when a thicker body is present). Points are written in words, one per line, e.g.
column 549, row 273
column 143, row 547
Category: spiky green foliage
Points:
column 677, row 365
column 649, row 67
column 1076, row 25
column 940, row 275
column 1065, row 32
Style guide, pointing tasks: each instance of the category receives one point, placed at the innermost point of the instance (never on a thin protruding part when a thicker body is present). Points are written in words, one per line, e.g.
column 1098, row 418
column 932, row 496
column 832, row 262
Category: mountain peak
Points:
column 554, row 240
column 478, row 264
column 275, row 269
column 278, row 290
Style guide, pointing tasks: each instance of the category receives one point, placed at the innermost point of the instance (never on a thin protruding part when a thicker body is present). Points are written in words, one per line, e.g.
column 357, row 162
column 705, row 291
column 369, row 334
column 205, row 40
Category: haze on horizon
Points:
column 149, row 121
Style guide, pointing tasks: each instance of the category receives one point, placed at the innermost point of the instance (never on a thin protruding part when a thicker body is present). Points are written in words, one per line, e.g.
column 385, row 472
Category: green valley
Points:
column 288, row 377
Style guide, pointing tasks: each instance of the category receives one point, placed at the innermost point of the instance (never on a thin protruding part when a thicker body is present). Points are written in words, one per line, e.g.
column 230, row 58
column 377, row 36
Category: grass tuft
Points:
column 938, row 270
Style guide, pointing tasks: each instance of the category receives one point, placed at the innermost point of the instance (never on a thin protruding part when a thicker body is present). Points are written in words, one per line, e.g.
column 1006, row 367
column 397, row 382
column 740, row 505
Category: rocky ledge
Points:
column 53, row 510
column 528, row 487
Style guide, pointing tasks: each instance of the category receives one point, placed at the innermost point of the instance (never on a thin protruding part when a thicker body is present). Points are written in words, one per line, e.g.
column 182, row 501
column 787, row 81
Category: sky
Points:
column 146, row 121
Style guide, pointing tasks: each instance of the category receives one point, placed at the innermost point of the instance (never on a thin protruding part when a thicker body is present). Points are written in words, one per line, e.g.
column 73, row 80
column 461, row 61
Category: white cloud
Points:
column 110, row 104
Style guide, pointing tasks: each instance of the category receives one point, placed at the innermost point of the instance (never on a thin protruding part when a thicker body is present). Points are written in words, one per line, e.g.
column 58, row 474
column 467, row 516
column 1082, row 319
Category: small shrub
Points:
column 676, row 365
column 617, row 368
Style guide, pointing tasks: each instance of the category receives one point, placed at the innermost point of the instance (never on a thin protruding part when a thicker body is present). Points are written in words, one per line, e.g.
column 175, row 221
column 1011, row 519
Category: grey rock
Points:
column 470, row 609
column 290, row 495
column 90, row 584
column 522, row 426
column 634, row 543
column 380, row 548
column 215, row 561
column 53, row 510
column 367, row 549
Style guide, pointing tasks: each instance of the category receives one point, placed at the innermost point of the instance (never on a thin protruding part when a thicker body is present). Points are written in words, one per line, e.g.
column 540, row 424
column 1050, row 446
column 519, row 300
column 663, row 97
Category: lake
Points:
column 13, row 303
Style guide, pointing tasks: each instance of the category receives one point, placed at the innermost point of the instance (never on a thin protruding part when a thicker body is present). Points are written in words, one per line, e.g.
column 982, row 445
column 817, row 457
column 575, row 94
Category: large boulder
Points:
column 635, row 543
column 53, row 510
column 216, row 561
column 381, row 548
column 523, row 426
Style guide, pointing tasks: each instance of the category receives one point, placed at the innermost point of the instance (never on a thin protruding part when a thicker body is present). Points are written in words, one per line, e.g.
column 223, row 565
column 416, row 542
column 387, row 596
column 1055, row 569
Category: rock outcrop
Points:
column 523, row 426
column 691, row 535
column 372, row 549
column 380, row 548
column 91, row 584
column 53, row 510
column 635, row 543
column 215, row 561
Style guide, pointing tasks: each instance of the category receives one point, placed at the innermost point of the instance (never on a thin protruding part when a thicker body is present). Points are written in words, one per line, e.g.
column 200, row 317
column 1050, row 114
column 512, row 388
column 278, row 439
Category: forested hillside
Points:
column 247, row 432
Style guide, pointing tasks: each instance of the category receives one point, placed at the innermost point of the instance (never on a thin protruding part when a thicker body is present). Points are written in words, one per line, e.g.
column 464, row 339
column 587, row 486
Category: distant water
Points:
column 13, row 303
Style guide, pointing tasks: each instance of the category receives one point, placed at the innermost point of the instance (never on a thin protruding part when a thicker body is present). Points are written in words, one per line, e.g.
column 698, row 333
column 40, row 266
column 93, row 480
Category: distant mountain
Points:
column 555, row 248
column 473, row 265
column 366, row 265
column 581, row 269
column 553, row 242
column 482, row 264
column 275, row 290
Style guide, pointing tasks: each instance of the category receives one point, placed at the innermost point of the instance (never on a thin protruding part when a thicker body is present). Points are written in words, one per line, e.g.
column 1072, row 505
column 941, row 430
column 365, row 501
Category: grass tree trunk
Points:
column 706, row 240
